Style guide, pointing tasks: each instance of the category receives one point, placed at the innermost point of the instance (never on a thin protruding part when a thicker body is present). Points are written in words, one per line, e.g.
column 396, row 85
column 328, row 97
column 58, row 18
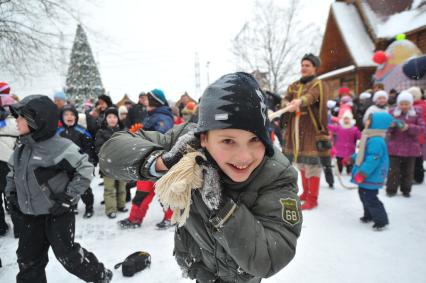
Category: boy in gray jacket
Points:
column 244, row 223
column 48, row 175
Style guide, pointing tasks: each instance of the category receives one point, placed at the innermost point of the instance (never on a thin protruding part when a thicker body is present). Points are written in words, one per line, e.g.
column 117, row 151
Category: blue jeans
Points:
column 373, row 207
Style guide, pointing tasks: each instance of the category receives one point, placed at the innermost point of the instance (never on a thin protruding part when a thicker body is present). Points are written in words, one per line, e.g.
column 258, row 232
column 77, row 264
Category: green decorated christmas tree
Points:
column 83, row 78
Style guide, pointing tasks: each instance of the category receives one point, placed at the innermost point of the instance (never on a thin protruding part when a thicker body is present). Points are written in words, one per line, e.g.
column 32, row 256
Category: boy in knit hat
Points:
column 380, row 100
column 48, row 175
column 159, row 119
column 59, row 99
column 114, row 190
column 80, row 136
column 364, row 102
column 245, row 217
column 371, row 168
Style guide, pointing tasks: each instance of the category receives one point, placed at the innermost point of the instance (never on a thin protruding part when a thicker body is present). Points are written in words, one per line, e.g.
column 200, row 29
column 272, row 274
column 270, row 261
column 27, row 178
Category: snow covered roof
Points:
column 354, row 34
column 387, row 27
column 337, row 72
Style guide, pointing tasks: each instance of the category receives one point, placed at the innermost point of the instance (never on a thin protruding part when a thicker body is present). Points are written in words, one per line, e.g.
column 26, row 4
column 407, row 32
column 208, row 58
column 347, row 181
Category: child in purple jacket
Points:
column 345, row 136
column 403, row 144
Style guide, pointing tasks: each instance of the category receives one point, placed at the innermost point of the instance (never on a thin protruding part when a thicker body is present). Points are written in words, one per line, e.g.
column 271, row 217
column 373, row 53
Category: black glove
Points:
column 173, row 156
column 63, row 203
column 220, row 205
column 12, row 201
column 211, row 191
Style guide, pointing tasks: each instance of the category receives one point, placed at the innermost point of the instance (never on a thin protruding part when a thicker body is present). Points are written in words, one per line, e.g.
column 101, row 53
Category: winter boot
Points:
column 379, row 227
column 329, row 178
column 106, row 276
column 88, row 213
column 165, row 224
column 304, row 195
column 127, row 224
column 122, row 209
column 312, row 200
column 365, row 219
column 112, row 215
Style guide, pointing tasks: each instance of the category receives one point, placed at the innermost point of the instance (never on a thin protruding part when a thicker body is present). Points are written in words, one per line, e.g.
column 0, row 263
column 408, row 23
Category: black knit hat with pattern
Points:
column 235, row 101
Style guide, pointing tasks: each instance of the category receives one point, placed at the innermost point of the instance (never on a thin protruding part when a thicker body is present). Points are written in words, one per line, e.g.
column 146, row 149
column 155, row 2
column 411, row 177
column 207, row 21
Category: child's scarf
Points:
column 367, row 133
column 411, row 112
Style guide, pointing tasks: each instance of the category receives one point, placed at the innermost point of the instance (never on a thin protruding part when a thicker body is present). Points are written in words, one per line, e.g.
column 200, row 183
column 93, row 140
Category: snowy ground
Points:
column 334, row 245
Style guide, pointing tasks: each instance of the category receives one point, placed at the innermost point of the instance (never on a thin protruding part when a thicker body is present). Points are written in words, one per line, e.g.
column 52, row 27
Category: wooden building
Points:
column 123, row 100
column 355, row 29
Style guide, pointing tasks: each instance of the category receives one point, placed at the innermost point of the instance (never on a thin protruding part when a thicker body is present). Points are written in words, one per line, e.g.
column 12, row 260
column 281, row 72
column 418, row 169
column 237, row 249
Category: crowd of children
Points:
column 381, row 143
column 392, row 144
column 63, row 172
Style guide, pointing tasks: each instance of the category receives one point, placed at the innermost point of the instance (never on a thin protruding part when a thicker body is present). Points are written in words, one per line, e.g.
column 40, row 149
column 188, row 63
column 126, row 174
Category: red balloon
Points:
column 380, row 57
column 190, row 105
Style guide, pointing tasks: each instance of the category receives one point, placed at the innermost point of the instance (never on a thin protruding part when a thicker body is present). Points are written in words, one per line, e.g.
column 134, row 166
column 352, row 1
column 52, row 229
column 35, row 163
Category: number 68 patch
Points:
column 290, row 213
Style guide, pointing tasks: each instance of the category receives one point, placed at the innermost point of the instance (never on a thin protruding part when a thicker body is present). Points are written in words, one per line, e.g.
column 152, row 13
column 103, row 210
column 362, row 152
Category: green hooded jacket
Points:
column 257, row 241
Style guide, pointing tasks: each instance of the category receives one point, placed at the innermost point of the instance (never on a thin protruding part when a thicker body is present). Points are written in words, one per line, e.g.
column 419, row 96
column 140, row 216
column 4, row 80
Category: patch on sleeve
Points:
column 290, row 213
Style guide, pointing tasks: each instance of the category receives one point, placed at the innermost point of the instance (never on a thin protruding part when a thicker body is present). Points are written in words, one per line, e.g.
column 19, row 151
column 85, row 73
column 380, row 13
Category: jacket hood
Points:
column 41, row 114
column 380, row 121
column 347, row 114
column 71, row 108
column 165, row 110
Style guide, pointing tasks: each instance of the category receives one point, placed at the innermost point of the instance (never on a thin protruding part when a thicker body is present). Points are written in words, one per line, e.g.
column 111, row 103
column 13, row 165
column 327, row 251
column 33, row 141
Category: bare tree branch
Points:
column 274, row 41
column 30, row 33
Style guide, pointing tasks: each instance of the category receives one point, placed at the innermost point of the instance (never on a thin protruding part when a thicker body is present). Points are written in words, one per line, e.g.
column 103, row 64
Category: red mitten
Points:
column 359, row 178
column 135, row 127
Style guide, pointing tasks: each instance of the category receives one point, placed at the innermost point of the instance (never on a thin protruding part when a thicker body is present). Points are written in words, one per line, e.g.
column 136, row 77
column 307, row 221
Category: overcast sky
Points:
column 140, row 45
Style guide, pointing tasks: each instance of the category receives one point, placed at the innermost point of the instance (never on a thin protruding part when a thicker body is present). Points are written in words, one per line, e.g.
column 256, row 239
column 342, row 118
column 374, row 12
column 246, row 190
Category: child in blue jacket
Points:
column 371, row 168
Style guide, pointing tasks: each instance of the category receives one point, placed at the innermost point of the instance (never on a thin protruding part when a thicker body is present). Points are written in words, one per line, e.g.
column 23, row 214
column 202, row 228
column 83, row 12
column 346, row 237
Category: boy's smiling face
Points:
column 237, row 152
column 69, row 118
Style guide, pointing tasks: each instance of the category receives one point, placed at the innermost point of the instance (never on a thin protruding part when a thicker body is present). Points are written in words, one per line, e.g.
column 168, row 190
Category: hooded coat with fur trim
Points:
column 406, row 143
column 314, row 94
